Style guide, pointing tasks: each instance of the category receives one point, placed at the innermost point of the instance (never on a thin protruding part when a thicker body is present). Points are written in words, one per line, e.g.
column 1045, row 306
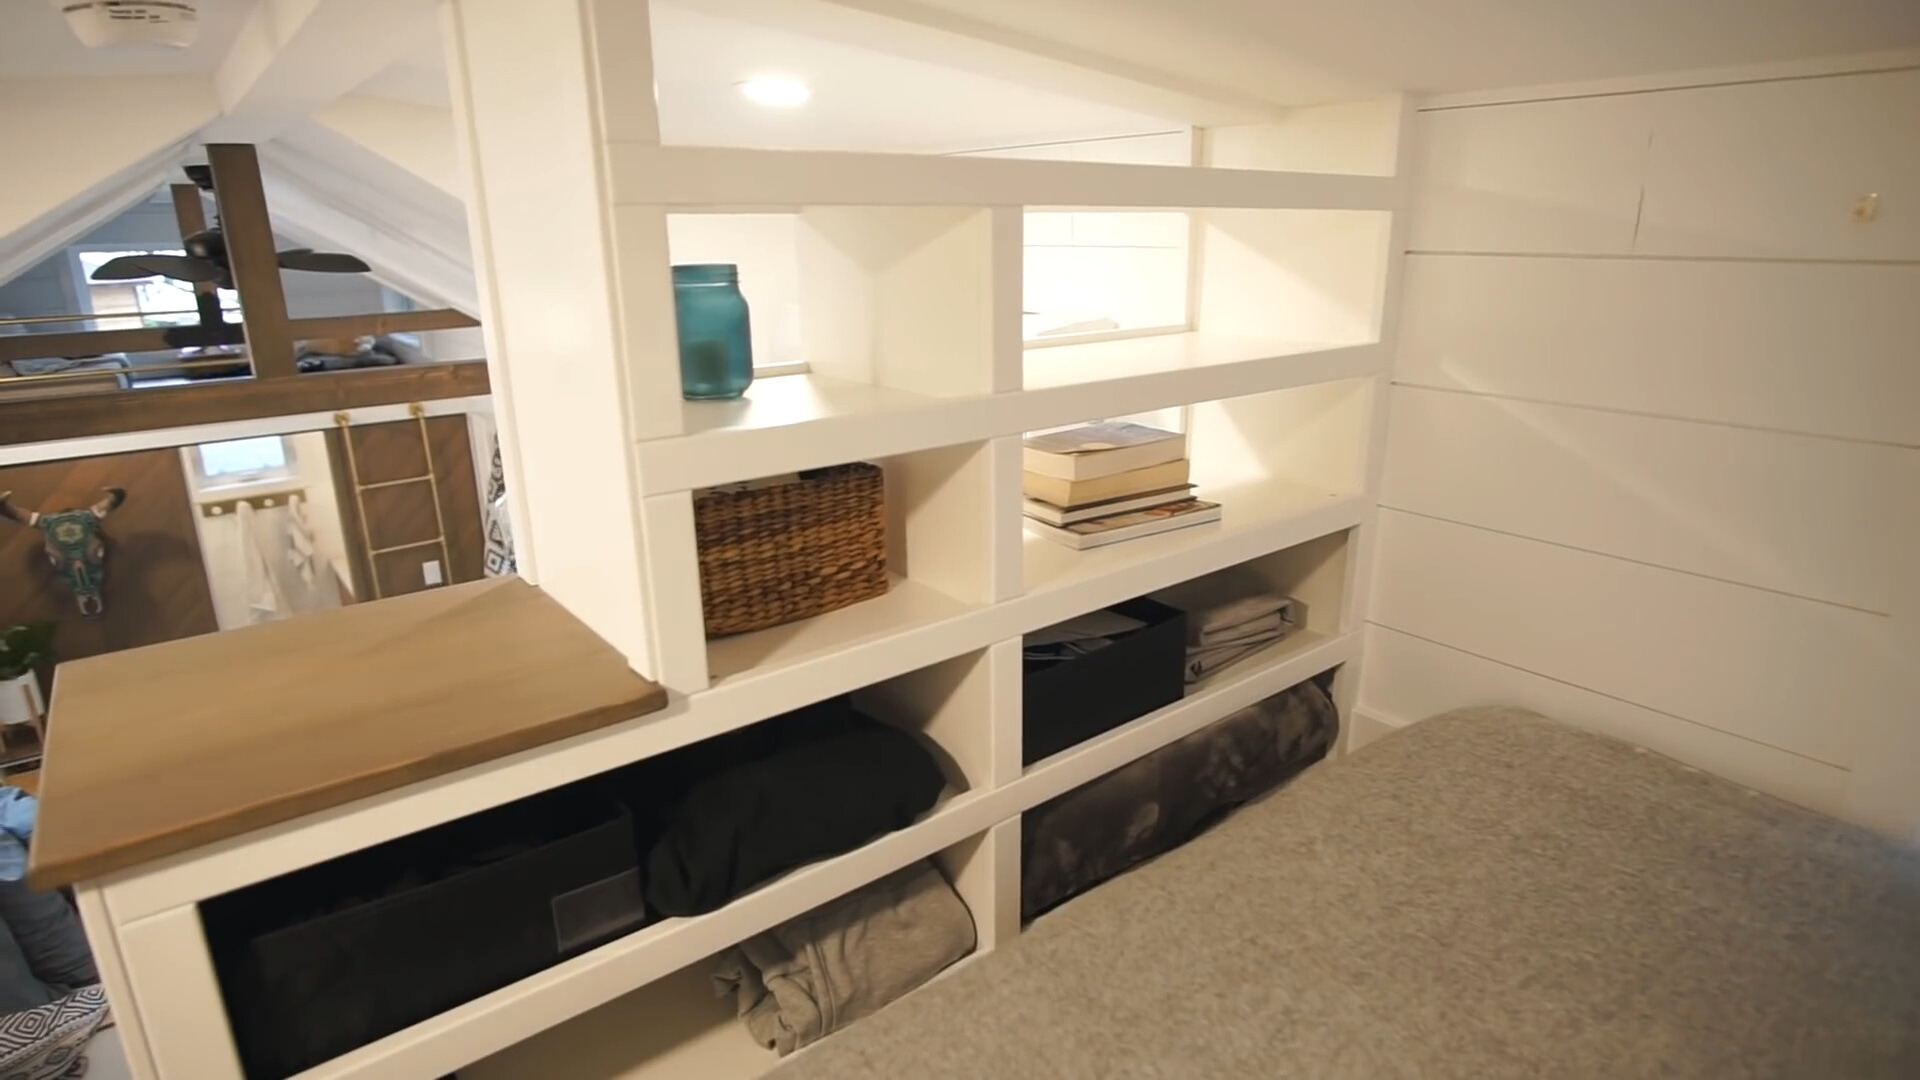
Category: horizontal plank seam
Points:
column 1636, row 256
column 1637, row 562
column 1645, row 414
column 1706, row 84
column 1613, row 697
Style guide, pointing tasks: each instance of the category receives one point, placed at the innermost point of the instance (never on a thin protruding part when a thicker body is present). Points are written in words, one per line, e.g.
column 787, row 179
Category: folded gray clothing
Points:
column 1233, row 613
column 846, row 959
column 1204, row 662
column 1246, row 631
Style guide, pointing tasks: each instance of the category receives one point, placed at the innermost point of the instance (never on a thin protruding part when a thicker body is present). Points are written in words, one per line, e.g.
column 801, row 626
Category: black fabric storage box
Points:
column 1070, row 701
column 326, row 959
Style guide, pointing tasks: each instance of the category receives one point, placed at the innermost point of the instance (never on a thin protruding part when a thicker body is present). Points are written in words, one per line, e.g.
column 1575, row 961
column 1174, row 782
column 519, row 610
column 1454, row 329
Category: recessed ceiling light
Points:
column 779, row 93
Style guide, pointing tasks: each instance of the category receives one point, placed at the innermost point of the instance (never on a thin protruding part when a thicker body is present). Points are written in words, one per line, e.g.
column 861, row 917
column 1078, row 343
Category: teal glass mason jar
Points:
column 716, row 349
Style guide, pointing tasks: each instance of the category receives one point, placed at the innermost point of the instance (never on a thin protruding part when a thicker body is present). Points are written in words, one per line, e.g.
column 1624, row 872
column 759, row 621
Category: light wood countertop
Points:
column 159, row 750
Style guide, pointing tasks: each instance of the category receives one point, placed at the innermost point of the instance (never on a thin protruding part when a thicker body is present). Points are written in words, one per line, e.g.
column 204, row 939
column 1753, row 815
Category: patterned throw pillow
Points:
column 50, row 1042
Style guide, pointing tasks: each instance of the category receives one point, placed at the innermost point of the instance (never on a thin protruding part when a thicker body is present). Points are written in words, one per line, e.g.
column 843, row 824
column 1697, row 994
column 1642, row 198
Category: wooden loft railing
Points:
column 90, row 415
column 155, row 339
column 275, row 387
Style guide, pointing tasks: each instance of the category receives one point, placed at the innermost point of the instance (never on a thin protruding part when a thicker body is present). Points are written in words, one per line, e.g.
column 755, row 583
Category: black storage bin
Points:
column 326, row 959
column 1070, row 701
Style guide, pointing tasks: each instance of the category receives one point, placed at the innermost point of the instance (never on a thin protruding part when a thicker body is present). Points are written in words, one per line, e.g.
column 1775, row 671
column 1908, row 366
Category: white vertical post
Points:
column 171, row 973
column 1348, row 684
column 1007, row 227
column 985, row 871
column 104, row 942
column 578, row 310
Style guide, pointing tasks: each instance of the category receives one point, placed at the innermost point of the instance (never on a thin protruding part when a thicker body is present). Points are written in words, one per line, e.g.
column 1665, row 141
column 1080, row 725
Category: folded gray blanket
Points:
column 1232, row 614
column 1229, row 632
column 1095, row 831
column 846, row 959
column 1204, row 661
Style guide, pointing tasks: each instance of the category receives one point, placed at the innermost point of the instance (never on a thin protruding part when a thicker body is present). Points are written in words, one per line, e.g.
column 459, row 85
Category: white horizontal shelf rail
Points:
column 722, row 179
column 811, row 421
column 489, row 1024
column 730, row 704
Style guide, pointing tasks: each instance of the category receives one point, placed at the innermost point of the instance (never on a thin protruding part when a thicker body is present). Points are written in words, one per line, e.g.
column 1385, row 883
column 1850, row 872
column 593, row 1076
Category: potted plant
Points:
column 22, row 649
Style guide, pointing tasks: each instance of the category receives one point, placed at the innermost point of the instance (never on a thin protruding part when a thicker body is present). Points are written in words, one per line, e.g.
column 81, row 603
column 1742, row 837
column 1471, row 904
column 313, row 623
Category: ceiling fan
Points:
column 206, row 258
column 237, row 253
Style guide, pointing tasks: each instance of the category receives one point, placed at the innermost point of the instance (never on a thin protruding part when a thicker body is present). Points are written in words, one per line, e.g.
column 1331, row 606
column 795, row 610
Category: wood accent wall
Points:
column 404, row 513
column 156, row 587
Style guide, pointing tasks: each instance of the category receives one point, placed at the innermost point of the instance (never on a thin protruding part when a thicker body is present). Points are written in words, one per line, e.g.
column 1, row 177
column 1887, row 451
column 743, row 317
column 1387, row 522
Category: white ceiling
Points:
column 419, row 80
column 36, row 43
column 1280, row 51
column 1299, row 51
column 862, row 98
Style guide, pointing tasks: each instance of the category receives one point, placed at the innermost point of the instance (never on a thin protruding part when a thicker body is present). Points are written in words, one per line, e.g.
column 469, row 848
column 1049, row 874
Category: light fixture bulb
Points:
column 776, row 92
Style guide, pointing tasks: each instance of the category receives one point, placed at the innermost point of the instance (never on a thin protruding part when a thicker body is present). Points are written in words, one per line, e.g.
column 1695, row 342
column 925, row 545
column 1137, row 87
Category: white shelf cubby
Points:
column 907, row 276
column 948, row 553
column 677, row 1027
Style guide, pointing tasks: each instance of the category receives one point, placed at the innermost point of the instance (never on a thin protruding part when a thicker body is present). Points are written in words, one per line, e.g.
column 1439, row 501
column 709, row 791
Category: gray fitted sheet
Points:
column 1485, row 894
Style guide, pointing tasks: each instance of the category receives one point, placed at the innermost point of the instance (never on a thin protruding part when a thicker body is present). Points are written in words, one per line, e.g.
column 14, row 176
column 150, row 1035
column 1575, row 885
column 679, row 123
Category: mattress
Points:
column 1484, row 894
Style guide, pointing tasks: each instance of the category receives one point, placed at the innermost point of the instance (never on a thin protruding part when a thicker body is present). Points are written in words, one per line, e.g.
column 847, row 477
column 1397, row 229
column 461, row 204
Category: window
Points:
column 243, row 461
column 154, row 301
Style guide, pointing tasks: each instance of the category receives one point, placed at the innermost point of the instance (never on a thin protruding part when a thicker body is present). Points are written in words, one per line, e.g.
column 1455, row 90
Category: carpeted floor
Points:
column 1484, row 894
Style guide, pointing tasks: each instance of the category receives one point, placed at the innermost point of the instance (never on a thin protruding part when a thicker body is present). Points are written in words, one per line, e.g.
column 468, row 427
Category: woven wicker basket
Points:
column 776, row 553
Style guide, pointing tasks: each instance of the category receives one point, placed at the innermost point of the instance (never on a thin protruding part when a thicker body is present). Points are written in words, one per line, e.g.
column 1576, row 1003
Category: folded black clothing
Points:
column 654, row 788
column 808, row 800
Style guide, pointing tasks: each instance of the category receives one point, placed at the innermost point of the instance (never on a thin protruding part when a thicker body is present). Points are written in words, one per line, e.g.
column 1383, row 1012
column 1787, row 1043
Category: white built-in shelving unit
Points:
column 909, row 270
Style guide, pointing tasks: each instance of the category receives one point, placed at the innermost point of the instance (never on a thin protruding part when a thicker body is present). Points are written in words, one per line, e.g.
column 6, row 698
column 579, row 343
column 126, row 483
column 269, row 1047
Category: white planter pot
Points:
column 20, row 701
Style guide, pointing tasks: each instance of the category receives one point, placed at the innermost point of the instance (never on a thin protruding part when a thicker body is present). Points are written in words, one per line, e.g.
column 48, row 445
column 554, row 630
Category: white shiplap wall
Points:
column 1652, row 462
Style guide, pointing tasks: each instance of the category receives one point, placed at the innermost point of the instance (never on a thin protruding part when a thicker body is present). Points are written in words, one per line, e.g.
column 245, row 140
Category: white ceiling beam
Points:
column 417, row 138
column 329, row 192
column 924, row 32
column 116, row 140
column 293, row 56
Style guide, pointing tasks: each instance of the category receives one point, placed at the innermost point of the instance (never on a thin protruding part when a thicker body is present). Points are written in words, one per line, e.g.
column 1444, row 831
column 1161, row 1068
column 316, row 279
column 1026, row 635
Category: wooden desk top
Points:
column 163, row 749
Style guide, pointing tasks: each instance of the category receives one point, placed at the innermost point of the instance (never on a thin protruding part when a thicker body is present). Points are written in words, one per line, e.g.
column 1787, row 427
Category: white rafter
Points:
column 294, row 56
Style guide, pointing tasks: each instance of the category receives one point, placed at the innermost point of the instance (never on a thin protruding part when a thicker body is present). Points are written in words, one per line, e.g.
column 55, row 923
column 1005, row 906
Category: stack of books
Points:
column 1103, row 483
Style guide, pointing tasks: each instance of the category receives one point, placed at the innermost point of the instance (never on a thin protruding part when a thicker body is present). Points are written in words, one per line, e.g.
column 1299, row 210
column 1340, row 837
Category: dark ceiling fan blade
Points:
column 178, row 267
column 325, row 262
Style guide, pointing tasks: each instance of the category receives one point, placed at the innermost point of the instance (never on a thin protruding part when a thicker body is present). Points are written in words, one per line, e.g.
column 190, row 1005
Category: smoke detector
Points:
column 101, row 24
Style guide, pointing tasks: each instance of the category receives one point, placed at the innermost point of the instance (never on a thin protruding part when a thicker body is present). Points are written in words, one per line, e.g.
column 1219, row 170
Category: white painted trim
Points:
column 1815, row 68
column 171, row 972
column 716, row 178
column 1090, row 337
column 1365, row 726
column 103, row 941
column 1363, row 548
column 781, row 367
column 167, row 438
column 705, row 458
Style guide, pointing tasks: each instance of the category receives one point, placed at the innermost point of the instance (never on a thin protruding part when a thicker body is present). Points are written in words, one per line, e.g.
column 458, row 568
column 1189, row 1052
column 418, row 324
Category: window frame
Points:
column 83, row 286
column 273, row 476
